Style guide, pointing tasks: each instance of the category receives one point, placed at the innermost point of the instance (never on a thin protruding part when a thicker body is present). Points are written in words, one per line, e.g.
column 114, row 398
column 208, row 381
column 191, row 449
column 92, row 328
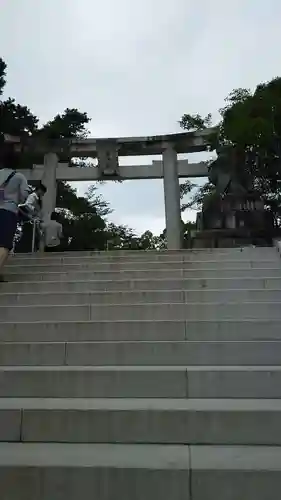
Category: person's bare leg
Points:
column 4, row 254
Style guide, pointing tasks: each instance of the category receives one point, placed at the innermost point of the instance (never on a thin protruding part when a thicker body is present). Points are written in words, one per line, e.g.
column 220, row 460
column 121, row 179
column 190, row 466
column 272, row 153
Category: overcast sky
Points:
column 136, row 66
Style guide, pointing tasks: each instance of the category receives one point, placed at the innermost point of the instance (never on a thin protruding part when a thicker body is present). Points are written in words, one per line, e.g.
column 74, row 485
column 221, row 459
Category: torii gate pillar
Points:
column 49, row 180
column 172, row 198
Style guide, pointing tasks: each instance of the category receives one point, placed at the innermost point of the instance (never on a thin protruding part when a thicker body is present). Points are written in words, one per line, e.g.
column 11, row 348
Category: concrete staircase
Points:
column 141, row 376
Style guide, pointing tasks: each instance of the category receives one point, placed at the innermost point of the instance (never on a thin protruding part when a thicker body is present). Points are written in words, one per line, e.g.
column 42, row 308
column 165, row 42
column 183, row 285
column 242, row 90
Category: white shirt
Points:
column 52, row 233
column 32, row 202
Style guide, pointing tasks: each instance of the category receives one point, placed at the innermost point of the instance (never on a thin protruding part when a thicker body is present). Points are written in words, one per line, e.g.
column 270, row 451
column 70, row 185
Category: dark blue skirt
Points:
column 8, row 227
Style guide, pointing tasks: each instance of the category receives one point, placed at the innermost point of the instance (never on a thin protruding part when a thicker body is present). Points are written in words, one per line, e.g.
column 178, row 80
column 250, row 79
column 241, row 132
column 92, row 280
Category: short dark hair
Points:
column 54, row 216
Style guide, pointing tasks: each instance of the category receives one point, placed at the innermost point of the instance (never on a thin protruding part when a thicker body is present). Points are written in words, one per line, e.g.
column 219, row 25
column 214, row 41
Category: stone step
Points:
column 148, row 254
column 99, row 330
column 154, row 421
column 139, row 297
column 235, row 472
column 138, row 259
column 144, row 472
column 118, row 285
column 78, row 298
column 93, row 382
column 153, row 311
column 200, row 330
column 61, row 259
column 141, row 259
column 145, row 266
column 140, row 353
column 141, row 382
column 50, row 471
column 147, row 274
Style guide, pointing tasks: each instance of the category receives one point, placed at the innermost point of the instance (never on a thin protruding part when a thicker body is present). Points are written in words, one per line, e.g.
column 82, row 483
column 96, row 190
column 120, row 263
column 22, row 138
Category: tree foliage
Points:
column 195, row 122
column 71, row 123
column 251, row 123
column 198, row 195
column 3, row 68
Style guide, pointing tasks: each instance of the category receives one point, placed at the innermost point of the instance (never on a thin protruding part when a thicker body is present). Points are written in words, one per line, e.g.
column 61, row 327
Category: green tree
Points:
column 83, row 217
column 121, row 237
column 3, row 68
column 251, row 123
column 148, row 241
column 195, row 122
column 70, row 124
column 196, row 193
column 15, row 119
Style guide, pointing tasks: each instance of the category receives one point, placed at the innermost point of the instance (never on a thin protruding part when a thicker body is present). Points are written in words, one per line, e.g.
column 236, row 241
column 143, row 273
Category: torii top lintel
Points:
column 186, row 142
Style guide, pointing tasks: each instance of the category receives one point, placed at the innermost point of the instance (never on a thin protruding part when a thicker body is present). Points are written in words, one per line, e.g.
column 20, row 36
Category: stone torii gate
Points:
column 107, row 152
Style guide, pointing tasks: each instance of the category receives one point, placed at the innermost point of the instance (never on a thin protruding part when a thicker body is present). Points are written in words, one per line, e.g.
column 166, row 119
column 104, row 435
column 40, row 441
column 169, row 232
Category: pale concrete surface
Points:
column 45, row 312
column 172, row 353
column 10, row 423
column 150, row 311
column 139, row 296
column 256, row 422
column 234, row 382
column 63, row 472
column 139, row 309
column 108, row 471
column 27, row 353
column 141, row 421
column 274, row 272
column 142, row 257
column 141, row 266
column 143, row 353
column 119, row 285
column 141, row 381
column 235, row 458
column 87, row 382
column 87, row 455
column 97, row 331
column 235, row 473
column 235, row 330
column 242, row 406
column 145, row 330
column 254, row 252
column 80, row 298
